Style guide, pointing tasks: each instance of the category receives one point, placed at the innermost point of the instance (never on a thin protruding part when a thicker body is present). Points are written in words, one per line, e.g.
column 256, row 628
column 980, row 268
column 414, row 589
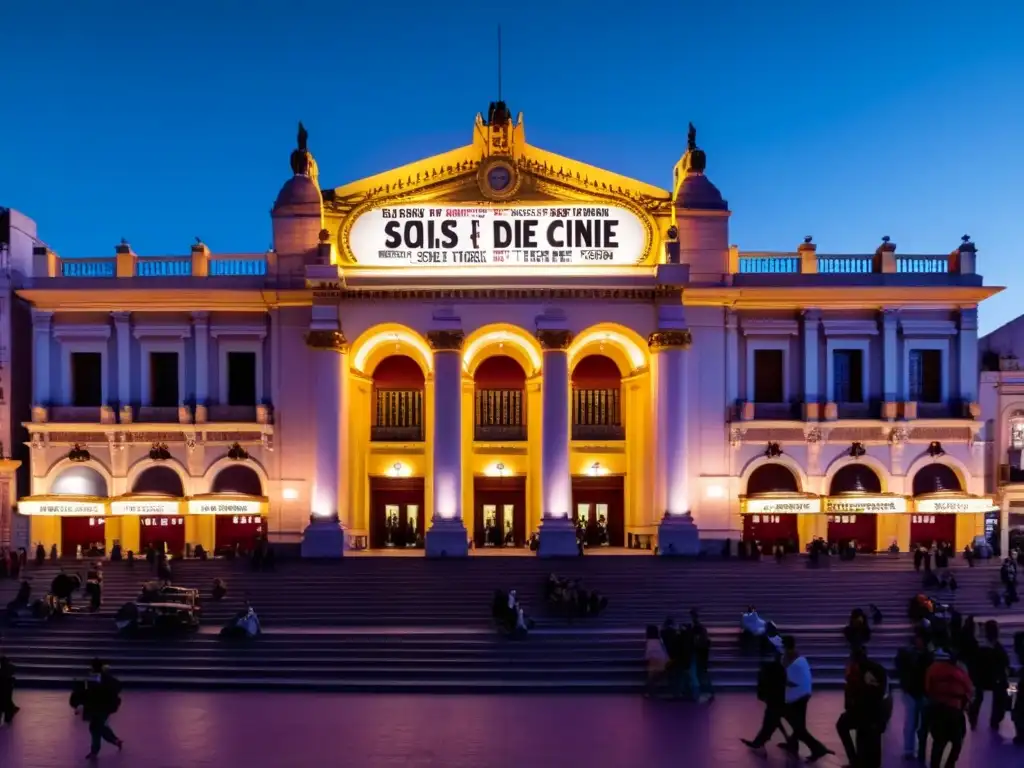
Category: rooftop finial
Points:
column 301, row 159
column 694, row 161
column 691, row 138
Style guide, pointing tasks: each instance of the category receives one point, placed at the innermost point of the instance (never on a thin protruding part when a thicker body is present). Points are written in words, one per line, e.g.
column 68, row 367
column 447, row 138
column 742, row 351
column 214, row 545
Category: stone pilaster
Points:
column 557, row 533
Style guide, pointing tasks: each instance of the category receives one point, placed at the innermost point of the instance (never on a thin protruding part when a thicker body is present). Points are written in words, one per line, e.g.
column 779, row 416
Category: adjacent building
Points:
column 496, row 342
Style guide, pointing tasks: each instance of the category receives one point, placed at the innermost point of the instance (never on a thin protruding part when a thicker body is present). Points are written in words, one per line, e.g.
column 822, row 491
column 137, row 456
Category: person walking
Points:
column 949, row 689
column 798, row 695
column 8, row 709
column 771, row 690
column 867, row 710
column 700, row 675
column 912, row 663
column 991, row 672
column 100, row 698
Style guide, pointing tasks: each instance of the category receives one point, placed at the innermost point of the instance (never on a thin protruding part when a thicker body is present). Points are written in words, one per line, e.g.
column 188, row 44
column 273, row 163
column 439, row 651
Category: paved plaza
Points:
column 194, row 730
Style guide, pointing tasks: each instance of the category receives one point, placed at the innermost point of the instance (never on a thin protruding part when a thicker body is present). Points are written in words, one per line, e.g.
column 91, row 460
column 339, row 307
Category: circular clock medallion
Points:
column 498, row 179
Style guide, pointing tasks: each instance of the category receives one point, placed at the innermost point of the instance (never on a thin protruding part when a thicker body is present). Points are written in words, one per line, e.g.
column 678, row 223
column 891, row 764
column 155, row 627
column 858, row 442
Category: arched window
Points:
column 855, row 478
column 935, row 478
column 772, row 478
column 238, row 479
column 398, row 400
column 1017, row 430
column 162, row 480
column 79, row 481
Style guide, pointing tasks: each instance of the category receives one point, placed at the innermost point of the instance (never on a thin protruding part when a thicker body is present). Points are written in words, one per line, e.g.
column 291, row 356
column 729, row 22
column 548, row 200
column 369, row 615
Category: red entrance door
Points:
column 499, row 511
column 85, row 532
column 239, row 531
column 924, row 529
column 396, row 512
column 167, row 534
column 769, row 530
column 863, row 529
column 598, row 509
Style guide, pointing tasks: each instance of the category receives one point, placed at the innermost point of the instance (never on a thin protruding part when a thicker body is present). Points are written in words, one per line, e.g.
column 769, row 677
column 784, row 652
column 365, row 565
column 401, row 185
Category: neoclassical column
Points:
column 41, row 381
column 557, row 532
column 324, row 536
column 123, row 334
column 447, row 535
column 201, row 322
column 677, row 534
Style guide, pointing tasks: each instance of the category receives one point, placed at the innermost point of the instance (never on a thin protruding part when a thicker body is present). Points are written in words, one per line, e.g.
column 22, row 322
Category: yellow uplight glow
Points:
column 289, row 494
column 597, row 469
column 637, row 358
column 501, row 337
column 398, row 469
column 714, row 492
column 397, row 337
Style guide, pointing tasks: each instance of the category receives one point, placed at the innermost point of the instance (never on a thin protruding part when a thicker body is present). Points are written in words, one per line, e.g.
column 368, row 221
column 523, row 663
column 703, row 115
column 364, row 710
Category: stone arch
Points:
column 782, row 461
column 386, row 339
column 959, row 469
column 772, row 477
column 79, row 479
column 224, row 463
column 502, row 339
column 398, row 371
column 623, row 345
column 142, row 466
column 869, row 461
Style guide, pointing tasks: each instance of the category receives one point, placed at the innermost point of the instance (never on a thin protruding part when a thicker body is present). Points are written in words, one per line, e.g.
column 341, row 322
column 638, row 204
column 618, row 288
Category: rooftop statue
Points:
column 301, row 159
column 691, row 138
column 303, row 135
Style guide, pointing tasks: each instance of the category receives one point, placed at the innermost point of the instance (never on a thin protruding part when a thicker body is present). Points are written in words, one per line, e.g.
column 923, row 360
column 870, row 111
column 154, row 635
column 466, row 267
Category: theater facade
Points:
column 497, row 342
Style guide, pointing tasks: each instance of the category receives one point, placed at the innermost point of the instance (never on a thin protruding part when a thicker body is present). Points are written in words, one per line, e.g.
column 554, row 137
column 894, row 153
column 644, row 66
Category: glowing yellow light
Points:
column 715, row 492
column 597, row 469
column 398, row 469
column 501, row 337
column 396, row 337
column 499, row 469
column 289, row 494
column 637, row 356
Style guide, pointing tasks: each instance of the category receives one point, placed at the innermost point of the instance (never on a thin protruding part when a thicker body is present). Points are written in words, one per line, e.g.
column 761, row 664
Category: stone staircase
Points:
column 409, row 624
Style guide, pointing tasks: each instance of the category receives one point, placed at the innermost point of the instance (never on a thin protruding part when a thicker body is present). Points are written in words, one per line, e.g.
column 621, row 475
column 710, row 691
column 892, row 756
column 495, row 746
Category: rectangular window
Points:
column 163, row 380
column 926, row 375
column 847, row 376
column 86, row 379
column 769, row 376
column 241, row 378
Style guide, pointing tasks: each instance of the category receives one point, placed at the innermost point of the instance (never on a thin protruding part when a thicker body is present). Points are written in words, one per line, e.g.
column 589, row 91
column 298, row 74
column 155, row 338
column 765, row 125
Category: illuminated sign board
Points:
column 940, row 506
column 56, row 508
column 797, row 506
column 497, row 236
column 159, row 507
column 861, row 505
column 225, row 507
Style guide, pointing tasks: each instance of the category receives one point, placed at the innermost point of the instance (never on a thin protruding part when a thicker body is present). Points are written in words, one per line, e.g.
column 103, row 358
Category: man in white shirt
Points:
column 798, row 694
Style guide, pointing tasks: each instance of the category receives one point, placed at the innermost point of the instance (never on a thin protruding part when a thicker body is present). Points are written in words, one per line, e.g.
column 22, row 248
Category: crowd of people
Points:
column 678, row 658
column 568, row 597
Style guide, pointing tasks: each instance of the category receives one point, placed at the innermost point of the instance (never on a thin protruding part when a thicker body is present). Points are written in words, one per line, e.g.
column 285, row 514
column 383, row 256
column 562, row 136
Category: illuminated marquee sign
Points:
column 225, row 507
column 797, row 506
column 497, row 236
column 54, row 508
column 879, row 505
column 945, row 506
column 158, row 507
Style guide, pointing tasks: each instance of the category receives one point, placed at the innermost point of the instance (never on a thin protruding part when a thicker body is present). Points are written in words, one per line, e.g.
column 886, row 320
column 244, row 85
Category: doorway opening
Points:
column 396, row 512
column 598, row 510
column 499, row 511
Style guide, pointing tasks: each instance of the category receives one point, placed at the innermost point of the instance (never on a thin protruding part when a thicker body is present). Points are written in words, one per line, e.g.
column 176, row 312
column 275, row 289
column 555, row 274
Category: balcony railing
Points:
column 398, row 416
column 597, row 414
column 806, row 260
column 499, row 415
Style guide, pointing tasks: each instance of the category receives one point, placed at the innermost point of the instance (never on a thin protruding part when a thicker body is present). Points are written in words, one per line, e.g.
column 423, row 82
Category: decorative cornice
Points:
column 445, row 341
column 669, row 340
column 327, row 340
column 551, row 339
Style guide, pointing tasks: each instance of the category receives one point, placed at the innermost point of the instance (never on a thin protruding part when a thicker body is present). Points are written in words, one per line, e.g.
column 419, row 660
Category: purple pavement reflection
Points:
column 281, row 730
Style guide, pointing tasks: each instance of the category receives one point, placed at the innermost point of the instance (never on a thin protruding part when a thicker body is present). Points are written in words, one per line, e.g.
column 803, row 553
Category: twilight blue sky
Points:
column 159, row 122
